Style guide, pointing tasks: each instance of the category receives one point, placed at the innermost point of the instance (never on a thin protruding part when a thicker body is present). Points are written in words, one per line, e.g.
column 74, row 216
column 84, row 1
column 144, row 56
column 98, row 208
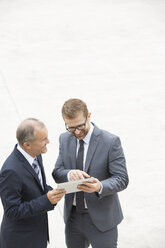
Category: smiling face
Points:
column 38, row 145
column 79, row 125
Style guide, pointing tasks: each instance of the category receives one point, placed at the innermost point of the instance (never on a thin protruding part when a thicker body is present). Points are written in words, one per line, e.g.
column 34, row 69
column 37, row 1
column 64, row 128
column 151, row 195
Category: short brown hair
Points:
column 25, row 131
column 72, row 107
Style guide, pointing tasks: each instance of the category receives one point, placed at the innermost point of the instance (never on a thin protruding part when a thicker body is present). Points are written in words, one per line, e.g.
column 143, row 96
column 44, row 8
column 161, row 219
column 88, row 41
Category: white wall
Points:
column 111, row 54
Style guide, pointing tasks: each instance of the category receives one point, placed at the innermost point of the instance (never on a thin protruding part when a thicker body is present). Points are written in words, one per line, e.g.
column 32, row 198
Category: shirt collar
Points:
column 29, row 158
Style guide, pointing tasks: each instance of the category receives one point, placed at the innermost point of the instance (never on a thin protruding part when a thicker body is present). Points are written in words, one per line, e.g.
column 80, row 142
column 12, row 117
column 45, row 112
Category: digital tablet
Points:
column 71, row 187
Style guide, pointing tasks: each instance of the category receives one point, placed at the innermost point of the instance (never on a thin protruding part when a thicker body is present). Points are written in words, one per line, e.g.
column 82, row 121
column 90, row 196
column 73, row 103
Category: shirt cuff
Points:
column 100, row 189
column 68, row 175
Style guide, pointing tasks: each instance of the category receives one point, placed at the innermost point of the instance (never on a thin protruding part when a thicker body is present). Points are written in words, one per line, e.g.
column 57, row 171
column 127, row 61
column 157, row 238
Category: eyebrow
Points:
column 76, row 126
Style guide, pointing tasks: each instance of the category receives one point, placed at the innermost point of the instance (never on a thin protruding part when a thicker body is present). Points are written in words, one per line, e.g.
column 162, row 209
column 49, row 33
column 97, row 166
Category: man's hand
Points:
column 55, row 195
column 90, row 187
column 77, row 175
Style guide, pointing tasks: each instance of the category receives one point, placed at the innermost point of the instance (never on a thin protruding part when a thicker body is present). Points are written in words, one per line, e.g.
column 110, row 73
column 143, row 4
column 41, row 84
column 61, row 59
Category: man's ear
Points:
column 26, row 146
column 89, row 115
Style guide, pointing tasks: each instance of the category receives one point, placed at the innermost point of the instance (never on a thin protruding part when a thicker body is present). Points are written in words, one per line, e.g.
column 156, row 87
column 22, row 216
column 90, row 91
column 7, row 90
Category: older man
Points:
column 25, row 196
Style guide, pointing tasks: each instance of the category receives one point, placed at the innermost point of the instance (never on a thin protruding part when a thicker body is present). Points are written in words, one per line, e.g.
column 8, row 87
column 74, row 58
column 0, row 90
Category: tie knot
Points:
column 81, row 142
column 35, row 163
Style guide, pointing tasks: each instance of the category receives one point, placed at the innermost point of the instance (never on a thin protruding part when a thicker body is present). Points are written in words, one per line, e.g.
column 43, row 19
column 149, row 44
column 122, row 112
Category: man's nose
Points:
column 77, row 131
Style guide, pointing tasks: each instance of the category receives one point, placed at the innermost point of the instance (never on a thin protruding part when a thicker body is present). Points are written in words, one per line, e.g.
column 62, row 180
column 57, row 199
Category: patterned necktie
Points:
column 79, row 165
column 37, row 170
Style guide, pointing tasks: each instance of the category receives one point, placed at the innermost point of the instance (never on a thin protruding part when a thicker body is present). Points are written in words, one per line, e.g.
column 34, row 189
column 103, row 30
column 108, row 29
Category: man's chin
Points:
column 44, row 150
column 80, row 137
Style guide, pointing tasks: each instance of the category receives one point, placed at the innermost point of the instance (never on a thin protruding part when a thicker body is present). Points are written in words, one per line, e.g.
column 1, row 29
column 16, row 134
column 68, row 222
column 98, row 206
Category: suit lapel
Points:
column 27, row 166
column 92, row 147
column 72, row 151
column 39, row 158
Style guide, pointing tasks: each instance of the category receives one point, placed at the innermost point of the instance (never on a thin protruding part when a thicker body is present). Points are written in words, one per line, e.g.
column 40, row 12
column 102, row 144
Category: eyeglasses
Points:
column 80, row 127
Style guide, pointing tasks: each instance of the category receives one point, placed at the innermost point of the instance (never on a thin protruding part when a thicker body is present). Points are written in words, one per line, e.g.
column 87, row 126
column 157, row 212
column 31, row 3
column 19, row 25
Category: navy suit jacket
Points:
column 25, row 203
column 106, row 161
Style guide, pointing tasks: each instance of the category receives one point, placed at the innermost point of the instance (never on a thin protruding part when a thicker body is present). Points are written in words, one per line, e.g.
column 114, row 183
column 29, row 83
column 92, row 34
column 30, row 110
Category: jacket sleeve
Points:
column 118, row 179
column 48, row 188
column 11, row 193
column 60, row 173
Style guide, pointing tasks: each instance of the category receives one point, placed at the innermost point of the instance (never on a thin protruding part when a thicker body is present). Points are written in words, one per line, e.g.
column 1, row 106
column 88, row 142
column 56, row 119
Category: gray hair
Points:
column 26, row 130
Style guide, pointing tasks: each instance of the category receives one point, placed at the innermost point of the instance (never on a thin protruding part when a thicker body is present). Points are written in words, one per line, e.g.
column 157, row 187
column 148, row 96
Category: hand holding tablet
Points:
column 71, row 187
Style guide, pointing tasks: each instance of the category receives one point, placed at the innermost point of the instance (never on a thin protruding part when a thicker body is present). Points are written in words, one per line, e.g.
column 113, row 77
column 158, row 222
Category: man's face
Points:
column 78, row 126
column 38, row 145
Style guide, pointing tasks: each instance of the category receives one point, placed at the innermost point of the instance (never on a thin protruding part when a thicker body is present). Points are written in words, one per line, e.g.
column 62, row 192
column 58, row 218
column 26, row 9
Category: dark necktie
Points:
column 79, row 165
column 37, row 170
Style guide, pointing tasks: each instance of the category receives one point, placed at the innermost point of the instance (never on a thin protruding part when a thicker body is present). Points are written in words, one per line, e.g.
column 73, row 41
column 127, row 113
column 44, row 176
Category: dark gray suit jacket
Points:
column 105, row 160
column 25, row 222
